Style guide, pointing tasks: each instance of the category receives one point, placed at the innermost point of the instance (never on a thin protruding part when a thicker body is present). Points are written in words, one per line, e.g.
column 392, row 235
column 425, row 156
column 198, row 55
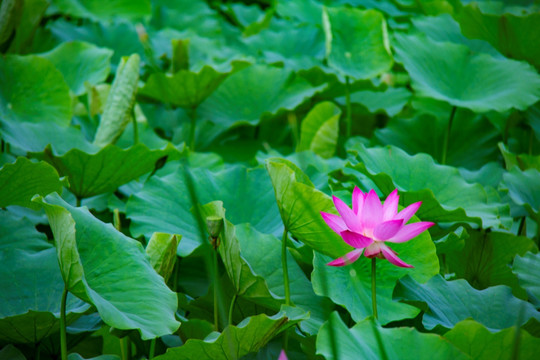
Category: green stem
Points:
column 116, row 220
column 447, row 135
column 293, row 123
column 78, row 201
column 216, row 308
column 152, row 349
column 531, row 138
column 193, row 116
column 63, row 338
column 285, row 269
column 37, row 351
column 348, row 116
column 522, row 230
column 374, row 286
column 231, row 308
column 135, row 130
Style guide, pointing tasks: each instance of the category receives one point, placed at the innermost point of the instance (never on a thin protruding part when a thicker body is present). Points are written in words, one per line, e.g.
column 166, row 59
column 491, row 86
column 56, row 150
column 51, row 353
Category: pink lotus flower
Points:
column 282, row 355
column 369, row 225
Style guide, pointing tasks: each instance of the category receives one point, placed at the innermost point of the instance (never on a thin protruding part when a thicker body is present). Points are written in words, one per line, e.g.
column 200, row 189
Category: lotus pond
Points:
column 292, row 179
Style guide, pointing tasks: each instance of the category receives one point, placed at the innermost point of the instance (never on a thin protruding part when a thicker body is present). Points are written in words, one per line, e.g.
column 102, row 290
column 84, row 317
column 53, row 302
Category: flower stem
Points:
column 231, row 308
column 447, row 135
column 135, row 130
column 374, row 286
column 193, row 116
column 63, row 339
column 285, row 269
column 216, row 307
column 152, row 349
column 348, row 116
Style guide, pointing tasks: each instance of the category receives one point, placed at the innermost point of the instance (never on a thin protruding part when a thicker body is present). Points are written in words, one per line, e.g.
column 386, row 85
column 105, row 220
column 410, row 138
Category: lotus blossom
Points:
column 370, row 225
column 282, row 355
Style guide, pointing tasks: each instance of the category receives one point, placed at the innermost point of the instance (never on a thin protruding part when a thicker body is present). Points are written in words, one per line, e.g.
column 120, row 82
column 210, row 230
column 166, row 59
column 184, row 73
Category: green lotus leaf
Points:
column 164, row 203
column 526, row 268
column 298, row 48
column 105, row 11
column 443, row 71
column 304, row 11
column 107, row 169
column 420, row 179
column 319, row 130
column 161, row 250
column 23, row 99
column 32, row 13
column 75, row 356
column 472, row 138
column 524, row 189
column 511, row 34
column 521, row 161
column 252, row 243
column 444, row 28
column 248, row 95
column 35, row 137
column 11, row 352
column 350, row 285
column 80, row 62
column 237, row 341
column 357, row 42
column 391, row 101
column 478, row 342
column 20, row 233
column 109, row 270
column 247, row 283
column 31, row 294
column 484, row 260
column 23, row 179
column 300, row 205
column 119, row 36
column 450, row 302
column 375, row 342
column 184, row 88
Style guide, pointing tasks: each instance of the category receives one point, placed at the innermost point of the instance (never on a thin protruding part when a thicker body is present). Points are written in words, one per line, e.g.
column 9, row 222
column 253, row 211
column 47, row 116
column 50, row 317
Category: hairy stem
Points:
column 193, row 116
column 231, row 308
column 216, row 307
column 374, row 286
column 63, row 338
column 152, row 349
column 348, row 116
column 285, row 268
column 447, row 135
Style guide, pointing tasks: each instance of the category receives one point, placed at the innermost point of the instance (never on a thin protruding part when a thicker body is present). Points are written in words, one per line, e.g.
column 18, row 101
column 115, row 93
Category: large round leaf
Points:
column 391, row 101
column 20, row 233
column 104, row 11
column 249, row 94
column 350, row 285
column 319, row 130
column 164, row 203
column 81, row 62
column 106, row 170
column 446, row 196
column 23, row 179
column 356, row 42
column 527, row 268
column 300, row 205
column 370, row 341
column 484, row 260
column 185, row 88
column 524, row 189
column 472, row 138
column 450, row 302
column 513, row 35
column 481, row 344
column 24, row 99
column 444, row 71
column 110, row 270
column 237, row 341
column 31, row 294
